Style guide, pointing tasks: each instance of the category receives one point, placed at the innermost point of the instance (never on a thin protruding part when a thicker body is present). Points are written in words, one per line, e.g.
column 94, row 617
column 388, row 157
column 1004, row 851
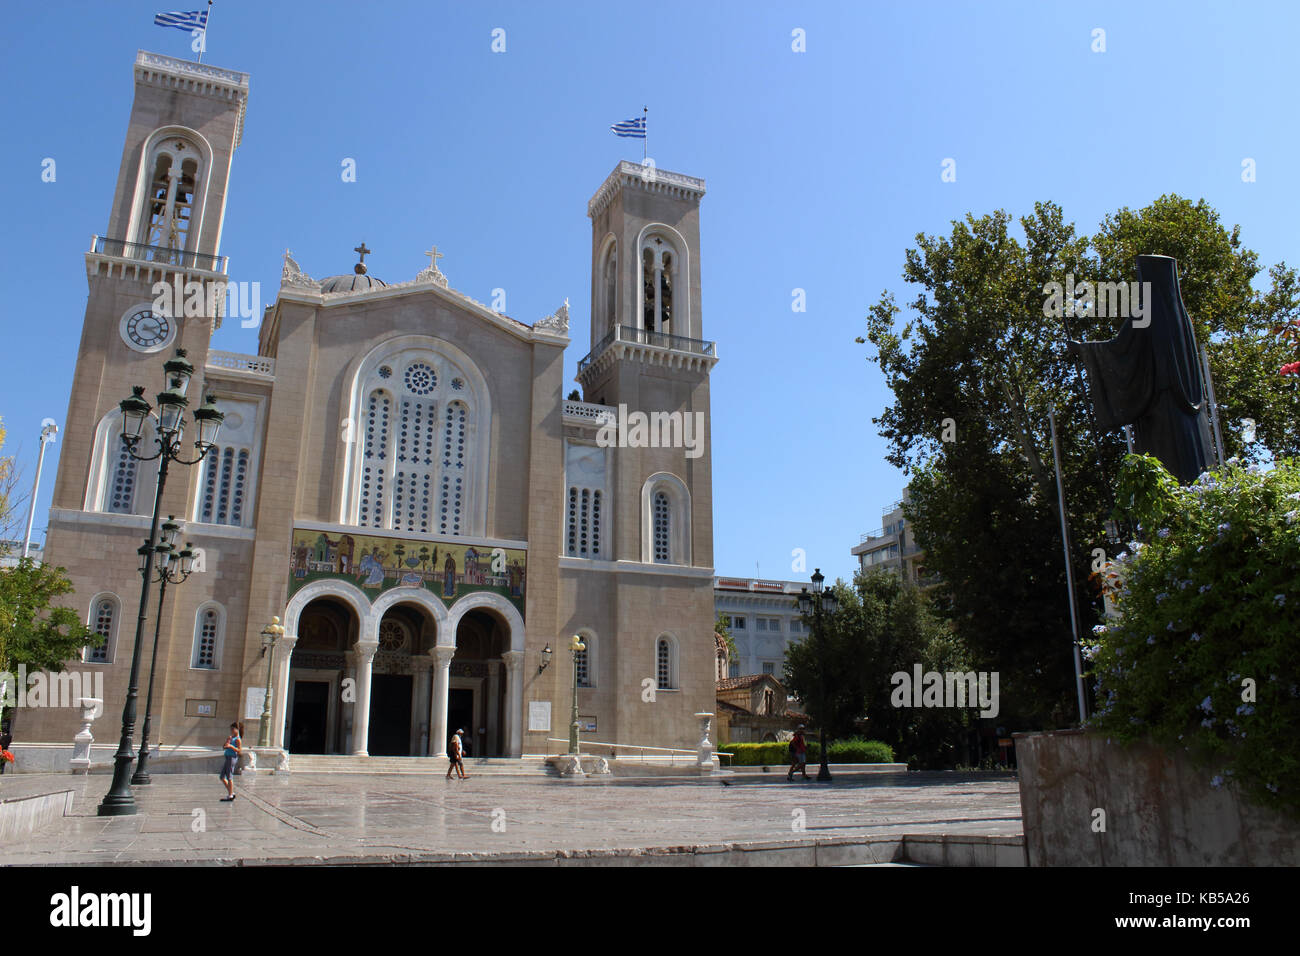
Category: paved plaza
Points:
column 355, row 818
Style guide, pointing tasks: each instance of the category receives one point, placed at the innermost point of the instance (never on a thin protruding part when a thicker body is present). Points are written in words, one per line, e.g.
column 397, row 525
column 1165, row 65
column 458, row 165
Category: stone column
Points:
column 347, row 719
column 514, row 702
column 441, row 681
column 493, row 702
column 422, row 664
column 361, row 720
column 280, row 687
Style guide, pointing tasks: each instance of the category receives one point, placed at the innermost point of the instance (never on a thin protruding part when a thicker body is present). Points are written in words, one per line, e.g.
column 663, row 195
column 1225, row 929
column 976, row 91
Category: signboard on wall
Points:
column 254, row 703
column 539, row 715
column 376, row 562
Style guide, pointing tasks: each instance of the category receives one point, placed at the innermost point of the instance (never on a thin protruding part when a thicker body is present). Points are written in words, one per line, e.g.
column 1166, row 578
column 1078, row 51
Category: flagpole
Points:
column 208, row 19
column 645, row 140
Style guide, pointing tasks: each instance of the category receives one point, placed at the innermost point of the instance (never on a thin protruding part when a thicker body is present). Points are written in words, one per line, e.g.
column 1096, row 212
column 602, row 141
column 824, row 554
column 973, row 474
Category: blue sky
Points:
column 821, row 168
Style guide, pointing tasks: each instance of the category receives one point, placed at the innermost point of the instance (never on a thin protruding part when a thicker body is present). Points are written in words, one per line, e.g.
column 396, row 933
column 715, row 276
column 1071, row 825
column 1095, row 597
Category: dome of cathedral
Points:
column 351, row 282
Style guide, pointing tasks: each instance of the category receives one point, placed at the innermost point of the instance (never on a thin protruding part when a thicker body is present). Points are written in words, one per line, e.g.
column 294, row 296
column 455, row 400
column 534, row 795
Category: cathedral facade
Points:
column 398, row 477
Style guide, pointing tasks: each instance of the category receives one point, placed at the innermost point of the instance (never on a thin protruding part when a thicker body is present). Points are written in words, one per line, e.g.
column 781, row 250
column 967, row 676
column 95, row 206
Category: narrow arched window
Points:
column 103, row 621
column 171, row 196
column 582, row 537
column 662, row 528
column 207, row 638
column 223, row 487
column 451, row 492
column 379, row 407
column 610, row 281
column 648, row 290
column 665, row 664
column 414, row 470
column 666, row 294
column 122, row 482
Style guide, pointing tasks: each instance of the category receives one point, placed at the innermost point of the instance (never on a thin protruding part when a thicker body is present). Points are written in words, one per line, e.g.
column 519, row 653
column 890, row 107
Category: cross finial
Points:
column 434, row 255
column 361, row 250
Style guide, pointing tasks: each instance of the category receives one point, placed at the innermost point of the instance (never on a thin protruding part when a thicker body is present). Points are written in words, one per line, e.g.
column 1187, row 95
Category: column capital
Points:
column 421, row 663
column 365, row 652
column 514, row 660
column 443, row 655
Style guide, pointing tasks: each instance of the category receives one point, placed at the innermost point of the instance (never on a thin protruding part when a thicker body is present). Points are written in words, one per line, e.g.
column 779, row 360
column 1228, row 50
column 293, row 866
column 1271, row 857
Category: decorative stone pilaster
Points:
column 361, row 718
column 280, row 715
column 422, row 665
column 705, row 761
column 514, row 702
column 441, row 682
column 91, row 707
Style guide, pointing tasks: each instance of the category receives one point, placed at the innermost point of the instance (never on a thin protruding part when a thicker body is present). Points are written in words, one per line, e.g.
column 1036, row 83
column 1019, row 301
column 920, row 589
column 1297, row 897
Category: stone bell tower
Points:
column 164, row 226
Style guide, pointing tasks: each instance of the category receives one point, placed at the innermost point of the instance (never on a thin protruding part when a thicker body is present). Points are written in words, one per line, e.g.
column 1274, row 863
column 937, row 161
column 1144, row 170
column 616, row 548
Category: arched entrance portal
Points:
column 476, row 699
column 399, row 683
column 318, row 722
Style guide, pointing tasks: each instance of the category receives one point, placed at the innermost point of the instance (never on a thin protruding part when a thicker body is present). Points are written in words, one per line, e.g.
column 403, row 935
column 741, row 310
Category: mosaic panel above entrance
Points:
column 375, row 563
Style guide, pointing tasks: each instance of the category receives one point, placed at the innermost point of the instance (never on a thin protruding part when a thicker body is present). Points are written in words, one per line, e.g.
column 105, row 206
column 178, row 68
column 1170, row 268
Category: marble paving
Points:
column 353, row 818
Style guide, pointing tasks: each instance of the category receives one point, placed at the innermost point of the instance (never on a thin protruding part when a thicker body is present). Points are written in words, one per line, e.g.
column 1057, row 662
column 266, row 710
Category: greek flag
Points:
column 630, row 129
column 188, row 20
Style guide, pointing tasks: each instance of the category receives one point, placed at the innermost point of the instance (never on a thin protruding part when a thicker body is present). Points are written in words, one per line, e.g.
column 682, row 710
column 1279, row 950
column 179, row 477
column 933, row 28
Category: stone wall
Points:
column 1160, row 809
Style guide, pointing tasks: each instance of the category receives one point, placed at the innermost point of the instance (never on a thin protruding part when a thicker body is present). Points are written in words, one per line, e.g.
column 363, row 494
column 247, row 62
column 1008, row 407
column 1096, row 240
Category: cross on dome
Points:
column 361, row 250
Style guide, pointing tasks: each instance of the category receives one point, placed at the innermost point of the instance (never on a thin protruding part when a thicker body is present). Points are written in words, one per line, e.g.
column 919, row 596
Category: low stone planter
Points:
column 1159, row 809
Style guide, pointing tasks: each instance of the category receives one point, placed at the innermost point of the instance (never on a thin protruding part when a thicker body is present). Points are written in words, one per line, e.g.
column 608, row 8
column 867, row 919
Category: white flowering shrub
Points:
column 1205, row 651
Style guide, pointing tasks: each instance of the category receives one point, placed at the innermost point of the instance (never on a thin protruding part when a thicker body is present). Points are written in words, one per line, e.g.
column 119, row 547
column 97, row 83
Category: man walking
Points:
column 455, row 754
column 798, row 755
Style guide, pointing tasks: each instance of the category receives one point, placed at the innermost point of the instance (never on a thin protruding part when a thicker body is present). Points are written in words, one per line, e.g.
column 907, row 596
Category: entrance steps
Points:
column 345, row 763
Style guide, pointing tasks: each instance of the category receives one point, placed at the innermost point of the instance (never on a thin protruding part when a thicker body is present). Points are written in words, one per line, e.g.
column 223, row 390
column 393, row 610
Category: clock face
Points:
column 145, row 330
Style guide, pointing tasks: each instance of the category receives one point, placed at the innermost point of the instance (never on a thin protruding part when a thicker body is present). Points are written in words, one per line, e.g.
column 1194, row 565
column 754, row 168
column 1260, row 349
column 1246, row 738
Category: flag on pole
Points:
column 186, row 20
column 630, row 129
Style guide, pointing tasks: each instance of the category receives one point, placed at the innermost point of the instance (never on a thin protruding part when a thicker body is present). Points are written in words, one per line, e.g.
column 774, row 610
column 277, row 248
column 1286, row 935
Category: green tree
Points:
column 882, row 627
column 974, row 372
column 722, row 630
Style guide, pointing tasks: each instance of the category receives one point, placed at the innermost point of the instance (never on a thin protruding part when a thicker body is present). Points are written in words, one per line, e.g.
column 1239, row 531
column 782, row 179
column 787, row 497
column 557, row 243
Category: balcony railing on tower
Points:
column 180, row 258
column 635, row 336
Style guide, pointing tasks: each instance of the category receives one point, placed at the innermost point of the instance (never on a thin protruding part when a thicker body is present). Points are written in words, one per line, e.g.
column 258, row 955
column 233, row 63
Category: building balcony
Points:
column 655, row 347
column 588, row 414
column 254, row 366
column 158, row 255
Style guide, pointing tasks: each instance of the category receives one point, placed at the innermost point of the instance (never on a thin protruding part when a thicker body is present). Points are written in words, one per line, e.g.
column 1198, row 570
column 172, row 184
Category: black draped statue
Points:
column 1150, row 377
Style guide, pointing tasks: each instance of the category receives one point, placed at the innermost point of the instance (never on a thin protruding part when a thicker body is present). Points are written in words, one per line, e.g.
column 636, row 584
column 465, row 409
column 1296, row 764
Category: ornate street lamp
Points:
column 821, row 603
column 575, row 645
column 546, row 658
column 271, row 635
column 170, row 429
column 173, row 568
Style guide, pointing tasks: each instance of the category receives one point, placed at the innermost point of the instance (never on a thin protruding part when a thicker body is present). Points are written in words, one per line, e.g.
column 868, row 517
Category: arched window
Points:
column 118, row 483
column 226, row 479
column 175, row 165
column 419, row 460
column 662, row 527
column 666, row 663
column 209, row 629
column 104, row 613
column 659, row 273
column 607, row 294
column 665, row 521
column 583, row 525
column 379, row 408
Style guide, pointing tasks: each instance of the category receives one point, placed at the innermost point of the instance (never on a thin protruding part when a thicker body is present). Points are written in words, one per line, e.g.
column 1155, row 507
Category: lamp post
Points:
column 575, row 645
column 169, row 423
column 271, row 635
column 48, row 431
column 822, row 603
column 174, row 568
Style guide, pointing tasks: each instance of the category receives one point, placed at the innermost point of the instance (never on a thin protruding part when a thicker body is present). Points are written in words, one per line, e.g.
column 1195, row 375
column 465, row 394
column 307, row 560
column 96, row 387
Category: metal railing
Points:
column 615, row 748
column 175, row 257
column 636, row 336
